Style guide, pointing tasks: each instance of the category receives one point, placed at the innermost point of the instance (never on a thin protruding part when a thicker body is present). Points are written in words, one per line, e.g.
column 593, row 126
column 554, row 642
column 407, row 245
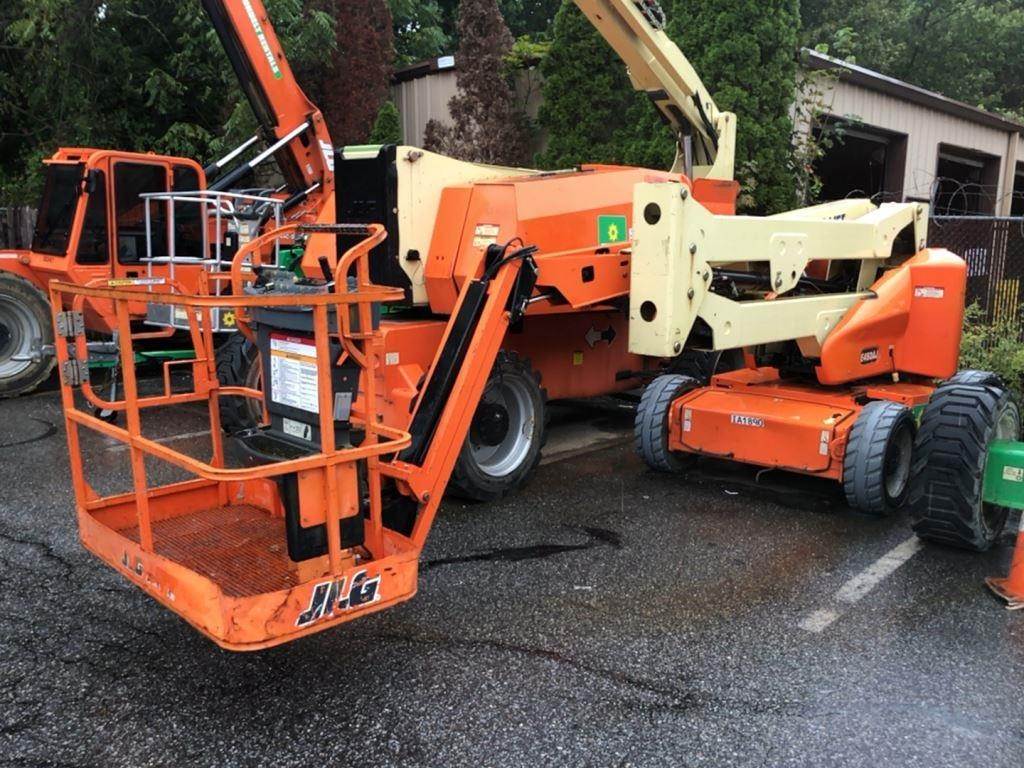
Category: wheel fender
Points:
column 17, row 263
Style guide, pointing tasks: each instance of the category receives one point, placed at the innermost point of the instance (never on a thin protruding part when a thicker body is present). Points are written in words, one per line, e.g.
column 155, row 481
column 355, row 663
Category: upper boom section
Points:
column 635, row 30
column 281, row 107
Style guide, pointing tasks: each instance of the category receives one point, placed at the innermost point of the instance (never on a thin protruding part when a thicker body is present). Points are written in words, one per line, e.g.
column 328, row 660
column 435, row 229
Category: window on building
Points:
column 861, row 162
column 966, row 183
column 1017, row 207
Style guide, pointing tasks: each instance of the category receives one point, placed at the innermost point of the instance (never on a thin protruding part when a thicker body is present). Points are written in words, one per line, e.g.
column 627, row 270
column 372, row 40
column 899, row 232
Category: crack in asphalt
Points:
column 599, row 537
column 50, row 429
column 45, row 549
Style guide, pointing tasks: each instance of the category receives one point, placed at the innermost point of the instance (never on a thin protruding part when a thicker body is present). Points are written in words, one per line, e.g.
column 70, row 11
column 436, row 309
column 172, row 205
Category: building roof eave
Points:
column 876, row 81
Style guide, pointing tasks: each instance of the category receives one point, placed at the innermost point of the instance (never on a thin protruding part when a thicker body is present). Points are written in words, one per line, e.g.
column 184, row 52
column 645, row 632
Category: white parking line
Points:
column 854, row 590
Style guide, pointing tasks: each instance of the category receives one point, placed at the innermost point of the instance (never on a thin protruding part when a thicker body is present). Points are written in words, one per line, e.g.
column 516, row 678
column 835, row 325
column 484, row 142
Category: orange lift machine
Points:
column 502, row 287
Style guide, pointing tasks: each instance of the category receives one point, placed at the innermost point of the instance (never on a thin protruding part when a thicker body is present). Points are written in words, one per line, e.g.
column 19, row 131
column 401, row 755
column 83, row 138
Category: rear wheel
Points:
column 878, row 460
column 505, row 439
column 650, row 430
column 957, row 428
column 25, row 326
column 238, row 365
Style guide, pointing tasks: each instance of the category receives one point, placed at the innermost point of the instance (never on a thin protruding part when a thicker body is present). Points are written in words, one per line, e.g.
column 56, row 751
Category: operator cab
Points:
column 91, row 213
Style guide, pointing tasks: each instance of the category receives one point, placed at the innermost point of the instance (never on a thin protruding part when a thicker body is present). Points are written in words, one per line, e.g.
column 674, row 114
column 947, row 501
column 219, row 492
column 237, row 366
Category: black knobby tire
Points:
column 508, row 432
column 701, row 366
column 25, row 326
column 238, row 365
column 650, row 430
column 879, row 456
column 946, row 494
column 976, row 378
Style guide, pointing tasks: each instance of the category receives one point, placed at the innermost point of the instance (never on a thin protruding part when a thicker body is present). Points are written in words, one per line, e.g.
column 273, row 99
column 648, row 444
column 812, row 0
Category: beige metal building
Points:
column 899, row 142
column 904, row 142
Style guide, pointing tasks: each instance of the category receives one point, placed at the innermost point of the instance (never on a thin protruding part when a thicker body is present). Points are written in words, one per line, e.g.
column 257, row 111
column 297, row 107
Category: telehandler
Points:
column 93, row 228
column 404, row 352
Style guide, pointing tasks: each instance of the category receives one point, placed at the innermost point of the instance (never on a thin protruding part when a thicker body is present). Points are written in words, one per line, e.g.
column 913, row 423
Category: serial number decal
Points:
column 929, row 292
column 747, row 421
column 337, row 596
column 869, row 356
column 485, row 235
column 1013, row 474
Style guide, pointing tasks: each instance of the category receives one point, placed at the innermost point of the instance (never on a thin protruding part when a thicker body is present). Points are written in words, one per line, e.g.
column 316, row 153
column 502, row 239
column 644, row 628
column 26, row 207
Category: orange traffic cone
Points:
column 1011, row 589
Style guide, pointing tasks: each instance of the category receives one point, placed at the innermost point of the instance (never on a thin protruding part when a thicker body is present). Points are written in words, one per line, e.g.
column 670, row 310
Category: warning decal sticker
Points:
column 293, row 379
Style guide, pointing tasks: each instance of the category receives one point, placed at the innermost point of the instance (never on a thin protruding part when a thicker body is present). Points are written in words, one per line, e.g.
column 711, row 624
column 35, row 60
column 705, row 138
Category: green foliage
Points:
column 145, row 75
column 527, row 53
column 420, row 31
column 966, row 49
column 587, row 98
column 388, row 127
column 530, row 17
column 816, row 130
column 745, row 51
column 993, row 346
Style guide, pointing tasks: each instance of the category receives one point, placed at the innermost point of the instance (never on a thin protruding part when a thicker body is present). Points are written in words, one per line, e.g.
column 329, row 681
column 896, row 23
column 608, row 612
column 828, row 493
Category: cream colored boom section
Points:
column 677, row 242
column 634, row 29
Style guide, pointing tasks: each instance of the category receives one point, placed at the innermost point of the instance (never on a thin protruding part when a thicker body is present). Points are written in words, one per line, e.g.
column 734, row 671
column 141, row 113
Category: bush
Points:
column 388, row 127
column 993, row 346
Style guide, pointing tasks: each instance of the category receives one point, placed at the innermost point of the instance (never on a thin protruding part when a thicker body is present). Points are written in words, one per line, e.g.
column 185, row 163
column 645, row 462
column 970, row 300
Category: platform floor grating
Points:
column 240, row 548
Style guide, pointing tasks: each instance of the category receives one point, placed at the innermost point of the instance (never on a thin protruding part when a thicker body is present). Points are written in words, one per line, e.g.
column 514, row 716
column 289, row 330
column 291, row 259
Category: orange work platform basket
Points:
column 214, row 549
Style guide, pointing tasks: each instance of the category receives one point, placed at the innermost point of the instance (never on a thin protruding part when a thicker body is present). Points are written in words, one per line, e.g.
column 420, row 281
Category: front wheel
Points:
column 650, row 430
column 506, row 436
column 25, row 327
column 962, row 419
column 879, row 453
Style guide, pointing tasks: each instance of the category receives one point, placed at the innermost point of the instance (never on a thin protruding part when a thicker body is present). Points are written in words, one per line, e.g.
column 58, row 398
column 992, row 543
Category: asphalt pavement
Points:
column 605, row 616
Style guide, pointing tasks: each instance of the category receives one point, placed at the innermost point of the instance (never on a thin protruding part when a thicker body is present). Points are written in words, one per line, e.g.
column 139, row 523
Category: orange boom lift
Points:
column 412, row 348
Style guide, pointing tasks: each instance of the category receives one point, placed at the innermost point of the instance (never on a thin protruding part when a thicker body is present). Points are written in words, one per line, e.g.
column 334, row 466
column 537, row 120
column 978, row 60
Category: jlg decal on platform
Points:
column 332, row 596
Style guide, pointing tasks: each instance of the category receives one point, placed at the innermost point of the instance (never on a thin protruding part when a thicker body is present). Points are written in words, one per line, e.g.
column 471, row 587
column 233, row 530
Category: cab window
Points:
column 94, row 244
column 57, row 209
column 130, row 181
column 188, row 224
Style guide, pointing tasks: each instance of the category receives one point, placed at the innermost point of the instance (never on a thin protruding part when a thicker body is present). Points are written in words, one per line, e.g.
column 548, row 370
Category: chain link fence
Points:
column 994, row 250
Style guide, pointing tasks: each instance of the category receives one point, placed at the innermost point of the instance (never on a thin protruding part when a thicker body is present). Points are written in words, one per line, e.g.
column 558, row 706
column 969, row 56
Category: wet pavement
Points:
column 604, row 616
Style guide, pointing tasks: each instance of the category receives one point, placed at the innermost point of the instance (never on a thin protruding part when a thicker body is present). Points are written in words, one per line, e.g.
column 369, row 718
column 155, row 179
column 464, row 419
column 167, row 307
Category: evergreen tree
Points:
column 388, row 127
column 746, row 53
column 586, row 95
column 487, row 126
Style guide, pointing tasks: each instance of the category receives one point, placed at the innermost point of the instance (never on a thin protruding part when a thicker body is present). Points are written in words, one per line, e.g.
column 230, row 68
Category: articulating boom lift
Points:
column 502, row 279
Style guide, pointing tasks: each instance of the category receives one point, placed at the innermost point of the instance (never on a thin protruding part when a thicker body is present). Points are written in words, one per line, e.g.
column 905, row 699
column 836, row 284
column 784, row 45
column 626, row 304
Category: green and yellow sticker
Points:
column 612, row 229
